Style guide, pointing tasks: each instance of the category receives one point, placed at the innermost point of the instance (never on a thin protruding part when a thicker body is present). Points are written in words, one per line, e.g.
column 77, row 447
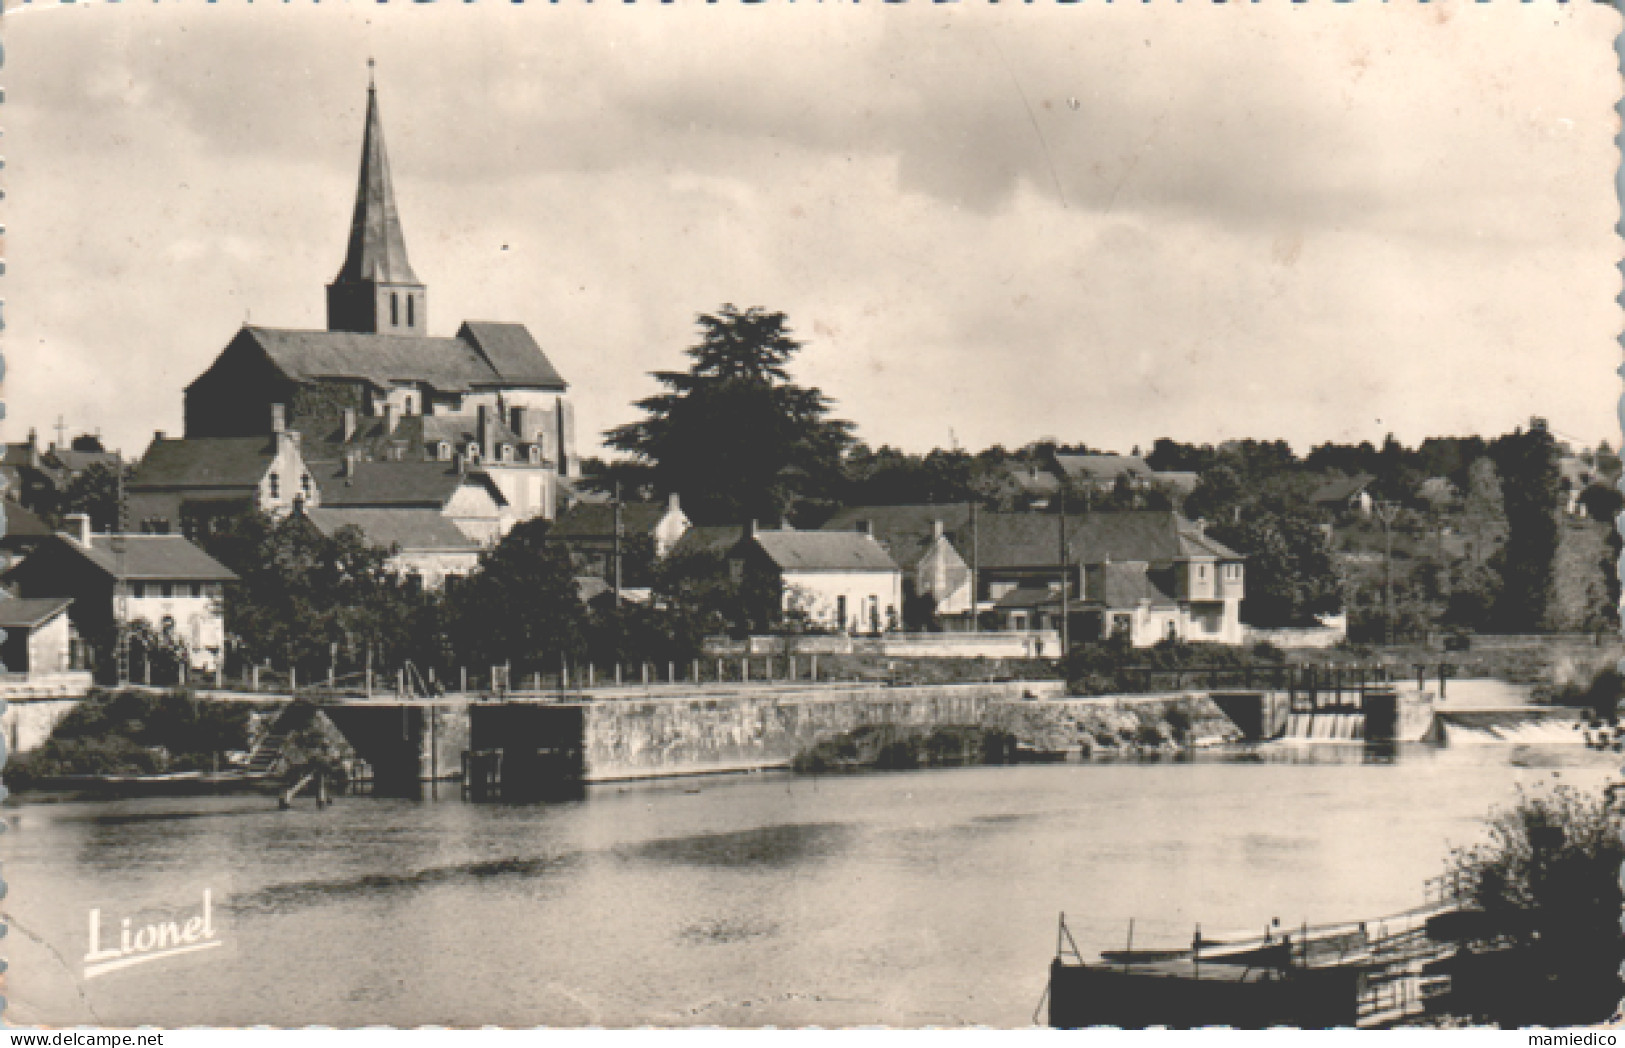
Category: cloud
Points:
column 1107, row 224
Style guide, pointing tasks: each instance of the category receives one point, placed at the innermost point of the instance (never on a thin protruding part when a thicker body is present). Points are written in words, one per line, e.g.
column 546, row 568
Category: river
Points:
column 906, row 898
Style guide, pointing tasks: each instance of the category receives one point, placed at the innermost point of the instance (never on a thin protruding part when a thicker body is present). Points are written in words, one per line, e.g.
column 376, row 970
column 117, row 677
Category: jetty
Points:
column 1369, row 974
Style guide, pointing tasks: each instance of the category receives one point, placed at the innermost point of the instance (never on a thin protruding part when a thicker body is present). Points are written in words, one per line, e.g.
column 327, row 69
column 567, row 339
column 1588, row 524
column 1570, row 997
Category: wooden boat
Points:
column 1352, row 974
column 174, row 784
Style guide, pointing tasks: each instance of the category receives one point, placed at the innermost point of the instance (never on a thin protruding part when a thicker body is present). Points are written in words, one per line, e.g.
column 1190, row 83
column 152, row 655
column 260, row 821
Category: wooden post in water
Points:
column 592, row 675
column 293, row 679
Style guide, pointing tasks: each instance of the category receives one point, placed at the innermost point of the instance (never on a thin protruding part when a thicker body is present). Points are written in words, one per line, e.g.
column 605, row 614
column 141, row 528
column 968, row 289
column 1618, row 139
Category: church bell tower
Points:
column 376, row 291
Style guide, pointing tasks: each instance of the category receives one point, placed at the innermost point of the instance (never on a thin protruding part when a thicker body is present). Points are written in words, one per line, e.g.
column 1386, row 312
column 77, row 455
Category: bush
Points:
column 1547, row 883
column 112, row 755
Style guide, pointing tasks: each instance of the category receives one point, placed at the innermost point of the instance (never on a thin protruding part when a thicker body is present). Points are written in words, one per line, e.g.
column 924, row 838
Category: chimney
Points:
column 279, row 418
column 866, row 527
column 349, row 424
column 79, row 528
column 784, row 524
column 157, row 436
column 389, row 417
column 521, row 423
column 483, row 434
column 349, row 464
column 751, row 528
column 33, row 438
column 936, row 529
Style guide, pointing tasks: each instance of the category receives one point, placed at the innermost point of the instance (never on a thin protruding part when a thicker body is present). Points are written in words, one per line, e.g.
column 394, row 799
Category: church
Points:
column 477, row 425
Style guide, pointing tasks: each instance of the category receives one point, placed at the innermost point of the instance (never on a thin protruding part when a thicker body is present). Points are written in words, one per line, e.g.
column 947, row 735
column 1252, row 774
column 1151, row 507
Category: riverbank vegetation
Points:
column 892, row 747
column 135, row 733
column 1543, row 944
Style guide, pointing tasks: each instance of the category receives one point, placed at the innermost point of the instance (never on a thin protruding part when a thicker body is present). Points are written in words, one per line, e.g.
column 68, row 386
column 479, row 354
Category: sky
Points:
column 1098, row 224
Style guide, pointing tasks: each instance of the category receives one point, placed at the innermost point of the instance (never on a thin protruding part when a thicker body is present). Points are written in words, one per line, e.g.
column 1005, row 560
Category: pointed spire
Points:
column 377, row 249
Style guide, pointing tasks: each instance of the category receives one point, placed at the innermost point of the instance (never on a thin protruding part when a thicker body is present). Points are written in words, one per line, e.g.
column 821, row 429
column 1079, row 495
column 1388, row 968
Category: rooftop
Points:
column 823, row 551
column 403, row 529
column 429, row 485
column 205, row 462
column 28, row 612
column 151, row 557
column 483, row 354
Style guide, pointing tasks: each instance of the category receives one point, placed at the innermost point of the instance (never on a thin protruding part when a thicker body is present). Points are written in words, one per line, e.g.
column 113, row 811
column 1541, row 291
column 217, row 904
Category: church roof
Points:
column 451, row 365
column 377, row 248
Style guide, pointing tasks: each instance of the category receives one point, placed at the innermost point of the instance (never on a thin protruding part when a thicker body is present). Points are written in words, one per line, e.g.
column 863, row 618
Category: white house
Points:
column 840, row 580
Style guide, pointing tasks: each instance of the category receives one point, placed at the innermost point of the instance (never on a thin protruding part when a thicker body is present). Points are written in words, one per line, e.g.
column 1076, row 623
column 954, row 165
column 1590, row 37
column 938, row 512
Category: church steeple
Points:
column 376, row 290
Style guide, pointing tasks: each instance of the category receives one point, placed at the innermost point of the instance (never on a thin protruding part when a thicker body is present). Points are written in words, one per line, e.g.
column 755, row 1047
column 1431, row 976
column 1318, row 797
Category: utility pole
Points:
column 617, row 547
column 975, row 574
column 121, row 612
column 1387, row 512
column 1066, row 583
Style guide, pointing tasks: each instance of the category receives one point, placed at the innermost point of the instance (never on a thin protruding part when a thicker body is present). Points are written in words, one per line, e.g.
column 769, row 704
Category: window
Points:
column 473, row 453
column 138, row 589
column 167, row 589
column 840, row 611
column 409, row 405
column 411, row 300
column 535, row 455
column 507, row 452
column 304, row 485
column 274, row 483
column 194, row 589
column 394, row 310
column 1201, row 571
column 444, row 451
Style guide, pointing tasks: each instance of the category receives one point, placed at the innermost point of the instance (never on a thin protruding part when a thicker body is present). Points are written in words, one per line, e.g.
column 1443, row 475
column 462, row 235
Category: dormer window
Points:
column 305, row 485
column 473, row 453
column 535, row 455
column 444, row 451
column 507, row 452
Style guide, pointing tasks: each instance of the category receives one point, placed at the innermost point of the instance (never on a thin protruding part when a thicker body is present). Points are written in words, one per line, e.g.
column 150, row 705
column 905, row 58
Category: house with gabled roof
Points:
column 424, row 544
column 187, row 486
column 835, row 580
column 921, row 539
column 1344, row 495
column 1145, row 574
column 162, row 580
column 470, row 500
column 588, row 530
column 39, row 640
column 1100, row 472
